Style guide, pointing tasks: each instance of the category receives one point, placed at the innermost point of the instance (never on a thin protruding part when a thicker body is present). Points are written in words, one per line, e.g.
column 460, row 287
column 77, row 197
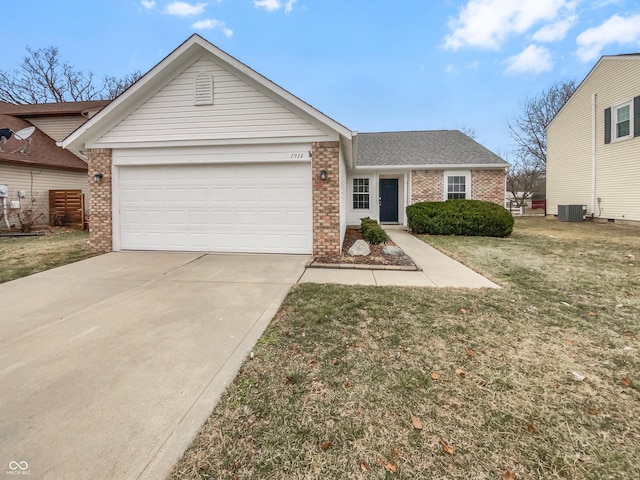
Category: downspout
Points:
column 593, row 155
column 5, row 213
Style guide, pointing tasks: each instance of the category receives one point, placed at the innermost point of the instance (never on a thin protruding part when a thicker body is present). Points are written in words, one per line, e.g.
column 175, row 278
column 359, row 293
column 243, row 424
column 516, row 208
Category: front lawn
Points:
column 538, row 380
column 22, row 256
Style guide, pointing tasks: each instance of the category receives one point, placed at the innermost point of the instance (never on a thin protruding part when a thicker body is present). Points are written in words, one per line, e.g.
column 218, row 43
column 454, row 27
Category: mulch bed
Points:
column 376, row 257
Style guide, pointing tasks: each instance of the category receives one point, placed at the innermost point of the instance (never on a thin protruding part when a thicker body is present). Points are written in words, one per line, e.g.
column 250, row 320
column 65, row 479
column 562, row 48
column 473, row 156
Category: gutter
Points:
column 445, row 166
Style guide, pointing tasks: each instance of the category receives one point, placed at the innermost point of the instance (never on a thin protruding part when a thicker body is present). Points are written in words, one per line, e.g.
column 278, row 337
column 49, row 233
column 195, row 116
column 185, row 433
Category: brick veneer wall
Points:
column 326, row 198
column 427, row 185
column 488, row 185
column 100, row 219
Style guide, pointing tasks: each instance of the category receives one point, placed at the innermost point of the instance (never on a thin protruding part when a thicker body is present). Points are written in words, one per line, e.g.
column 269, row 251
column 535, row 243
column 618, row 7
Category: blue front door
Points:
column 389, row 200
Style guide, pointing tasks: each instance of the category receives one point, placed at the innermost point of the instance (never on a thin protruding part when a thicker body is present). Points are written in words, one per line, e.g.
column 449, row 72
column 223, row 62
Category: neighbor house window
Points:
column 360, row 193
column 622, row 121
column 456, row 187
column 622, row 118
column 457, row 184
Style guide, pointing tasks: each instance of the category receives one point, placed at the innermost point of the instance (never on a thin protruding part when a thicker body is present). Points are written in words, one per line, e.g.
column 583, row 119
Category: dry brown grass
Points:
column 337, row 377
column 22, row 256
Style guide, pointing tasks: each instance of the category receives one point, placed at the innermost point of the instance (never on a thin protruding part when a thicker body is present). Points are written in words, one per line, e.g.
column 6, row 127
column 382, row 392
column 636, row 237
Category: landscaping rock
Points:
column 393, row 250
column 359, row 248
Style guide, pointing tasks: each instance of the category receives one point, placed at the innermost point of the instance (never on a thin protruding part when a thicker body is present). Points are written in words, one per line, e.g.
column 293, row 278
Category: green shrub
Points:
column 372, row 232
column 460, row 217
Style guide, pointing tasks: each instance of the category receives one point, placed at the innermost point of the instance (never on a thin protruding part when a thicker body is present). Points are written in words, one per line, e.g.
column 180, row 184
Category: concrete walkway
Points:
column 438, row 270
column 109, row 366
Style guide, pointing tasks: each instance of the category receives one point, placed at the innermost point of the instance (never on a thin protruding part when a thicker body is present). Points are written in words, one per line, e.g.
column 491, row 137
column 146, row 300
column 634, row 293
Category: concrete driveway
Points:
column 108, row 367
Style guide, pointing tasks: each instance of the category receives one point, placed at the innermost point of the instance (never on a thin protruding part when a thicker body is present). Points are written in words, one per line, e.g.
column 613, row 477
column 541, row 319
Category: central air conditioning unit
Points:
column 572, row 213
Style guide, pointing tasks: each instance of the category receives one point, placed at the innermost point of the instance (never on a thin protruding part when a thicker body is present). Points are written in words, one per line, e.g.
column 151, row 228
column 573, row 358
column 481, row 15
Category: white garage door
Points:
column 260, row 208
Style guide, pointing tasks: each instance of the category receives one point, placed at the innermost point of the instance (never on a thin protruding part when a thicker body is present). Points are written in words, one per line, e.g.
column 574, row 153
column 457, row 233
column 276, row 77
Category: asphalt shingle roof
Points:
column 45, row 109
column 432, row 147
column 42, row 152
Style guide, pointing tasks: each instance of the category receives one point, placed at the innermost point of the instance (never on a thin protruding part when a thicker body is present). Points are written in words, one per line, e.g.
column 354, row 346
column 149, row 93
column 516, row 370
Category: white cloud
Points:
column 624, row 31
column 554, row 32
column 273, row 5
column 533, row 59
column 488, row 23
column 184, row 9
column 148, row 4
column 450, row 68
column 213, row 24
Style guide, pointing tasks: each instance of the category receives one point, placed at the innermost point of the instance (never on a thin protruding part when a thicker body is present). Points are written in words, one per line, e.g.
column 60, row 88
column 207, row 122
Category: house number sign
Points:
column 297, row 156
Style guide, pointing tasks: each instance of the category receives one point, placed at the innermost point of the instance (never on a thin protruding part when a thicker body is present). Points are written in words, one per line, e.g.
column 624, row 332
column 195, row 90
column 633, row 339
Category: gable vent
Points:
column 203, row 89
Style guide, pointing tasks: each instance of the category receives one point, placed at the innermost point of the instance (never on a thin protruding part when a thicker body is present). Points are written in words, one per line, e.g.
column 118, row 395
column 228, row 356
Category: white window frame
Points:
column 457, row 173
column 614, row 121
column 364, row 188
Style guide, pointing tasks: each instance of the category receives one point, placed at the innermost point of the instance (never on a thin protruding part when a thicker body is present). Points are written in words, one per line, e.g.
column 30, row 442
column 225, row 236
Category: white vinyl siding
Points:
column 255, row 208
column 569, row 140
column 59, row 127
column 240, row 111
column 19, row 178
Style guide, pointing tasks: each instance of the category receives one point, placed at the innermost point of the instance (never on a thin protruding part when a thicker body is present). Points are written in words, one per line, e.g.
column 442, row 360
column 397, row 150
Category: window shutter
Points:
column 607, row 125
column 636, row 117
column 203, row 89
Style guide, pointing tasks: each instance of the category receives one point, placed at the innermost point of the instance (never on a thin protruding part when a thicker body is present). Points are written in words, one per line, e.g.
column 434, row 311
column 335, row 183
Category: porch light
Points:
column 323, row 174
column 97, row 177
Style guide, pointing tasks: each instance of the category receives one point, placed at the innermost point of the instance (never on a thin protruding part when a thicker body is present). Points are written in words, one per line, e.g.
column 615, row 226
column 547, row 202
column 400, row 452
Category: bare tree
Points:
column 470, row 132
column 43, row 77
column 528, row 128
column 524, row 178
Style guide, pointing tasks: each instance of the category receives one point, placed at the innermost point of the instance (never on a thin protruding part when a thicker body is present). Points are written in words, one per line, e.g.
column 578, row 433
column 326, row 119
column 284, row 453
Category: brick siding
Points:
column 326, row 198
column 488, row 185
column 100, row 218
column 427, row 186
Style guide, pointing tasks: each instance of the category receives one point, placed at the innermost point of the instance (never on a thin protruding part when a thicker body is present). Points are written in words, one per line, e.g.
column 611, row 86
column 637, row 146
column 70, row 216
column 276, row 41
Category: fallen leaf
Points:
column 568, row 269
column 631, row 256
column 416, row 422
column 364, row 466
column 326, row 445
column 579, row 377
column 461, row 372
column 508, row 475
column 592, row 314
column 380, row 461
column 311, row 361
column 569, row 342
column 435, row 376
column 627, row 382
column 334, row 361
column 447, row 448
column 592, row 411
column 348, row 383
column 287, row 380
column 391, row 467
column 531, row 428
column 397, row 453
column 469, row 352
column 463, row 311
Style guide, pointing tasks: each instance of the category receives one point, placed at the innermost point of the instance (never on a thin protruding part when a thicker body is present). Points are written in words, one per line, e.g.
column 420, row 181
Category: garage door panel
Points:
column 262, row 208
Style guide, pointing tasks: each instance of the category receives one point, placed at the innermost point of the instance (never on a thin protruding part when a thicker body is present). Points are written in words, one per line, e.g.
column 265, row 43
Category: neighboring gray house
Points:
column 205, row 154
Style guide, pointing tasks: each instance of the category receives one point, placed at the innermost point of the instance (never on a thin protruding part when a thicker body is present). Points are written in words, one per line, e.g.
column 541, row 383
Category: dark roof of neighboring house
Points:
column 47, row 109
column 431, row 147
column 43, row 151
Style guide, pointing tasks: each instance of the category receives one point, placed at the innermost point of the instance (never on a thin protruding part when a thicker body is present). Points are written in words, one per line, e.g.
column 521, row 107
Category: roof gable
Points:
column 168, row 70
column 42, row 151
column 431, row 148
column 601, row 63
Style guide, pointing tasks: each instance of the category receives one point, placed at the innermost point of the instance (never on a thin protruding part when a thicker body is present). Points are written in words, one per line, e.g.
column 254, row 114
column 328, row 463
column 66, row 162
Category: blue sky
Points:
column 370, row 65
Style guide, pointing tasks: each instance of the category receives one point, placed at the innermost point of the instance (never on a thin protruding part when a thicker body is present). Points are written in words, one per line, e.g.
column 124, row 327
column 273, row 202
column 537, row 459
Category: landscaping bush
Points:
column 460, row 217
column 372, row 232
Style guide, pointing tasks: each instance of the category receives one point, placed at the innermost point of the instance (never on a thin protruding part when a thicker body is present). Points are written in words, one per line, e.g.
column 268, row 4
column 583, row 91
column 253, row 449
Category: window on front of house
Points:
column 456, row 187
column 360, row 193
